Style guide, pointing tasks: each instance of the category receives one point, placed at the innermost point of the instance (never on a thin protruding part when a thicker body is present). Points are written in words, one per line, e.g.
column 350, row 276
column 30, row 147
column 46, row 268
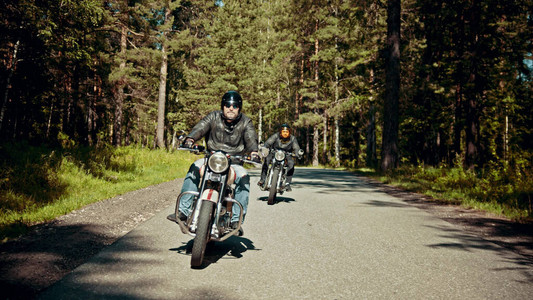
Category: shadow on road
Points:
column 25, row 263
column 233, row 247
column 126, row 257
column 515, row 236
column 278, row 199
column 461, row 241
column 326, row 180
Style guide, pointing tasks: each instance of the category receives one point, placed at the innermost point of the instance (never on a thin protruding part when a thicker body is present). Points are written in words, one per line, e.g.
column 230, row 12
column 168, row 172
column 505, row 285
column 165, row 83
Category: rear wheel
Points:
column 273, row 187
column 202, row 233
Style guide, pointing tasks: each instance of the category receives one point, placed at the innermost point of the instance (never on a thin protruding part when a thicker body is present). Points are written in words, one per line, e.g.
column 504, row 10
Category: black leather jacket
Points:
column 275, row 141
column 236, row 138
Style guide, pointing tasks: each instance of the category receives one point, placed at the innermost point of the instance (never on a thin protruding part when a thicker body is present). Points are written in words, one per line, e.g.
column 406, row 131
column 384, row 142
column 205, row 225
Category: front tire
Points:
column 202, row 233
column 273, row 187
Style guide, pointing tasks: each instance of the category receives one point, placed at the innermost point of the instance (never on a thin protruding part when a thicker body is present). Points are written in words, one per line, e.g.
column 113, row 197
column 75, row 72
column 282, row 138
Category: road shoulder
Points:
column 35, row 261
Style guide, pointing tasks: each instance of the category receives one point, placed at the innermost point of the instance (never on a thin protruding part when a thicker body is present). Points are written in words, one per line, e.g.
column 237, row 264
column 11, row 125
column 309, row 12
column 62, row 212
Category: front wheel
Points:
column 273, row 187
column 202, row 233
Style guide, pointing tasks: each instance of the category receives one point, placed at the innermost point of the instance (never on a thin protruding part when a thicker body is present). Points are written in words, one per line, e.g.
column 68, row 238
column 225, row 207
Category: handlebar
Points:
column 289, row 153
column 196, row 149
column 247, row 159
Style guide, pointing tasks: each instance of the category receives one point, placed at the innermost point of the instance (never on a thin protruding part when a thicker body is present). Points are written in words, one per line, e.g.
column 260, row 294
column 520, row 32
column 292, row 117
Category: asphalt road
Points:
column 333, row 237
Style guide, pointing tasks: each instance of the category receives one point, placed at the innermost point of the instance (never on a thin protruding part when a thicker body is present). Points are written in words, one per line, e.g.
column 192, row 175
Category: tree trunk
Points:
column 315, row 146
column 337, row 130
column 506, row 140
column 49, row 122
column 260, row 125
column 8, row 83
column 371, row 156
column 161, row 102
column 307, row 146
column 119, row 91
column 471, row 136
column 371, row 138
column 68, row 121
column 389, row 158
column 336, row 119
column 79, row 127
column 337, row 144
column 457, row 122
column 91, row 112
column 473, row 93
column 325, row 138
column 298, row 97
column 315, row 131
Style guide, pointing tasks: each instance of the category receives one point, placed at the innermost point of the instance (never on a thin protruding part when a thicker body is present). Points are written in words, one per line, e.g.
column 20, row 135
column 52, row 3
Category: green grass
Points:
column 38, row 184
column 508, row 194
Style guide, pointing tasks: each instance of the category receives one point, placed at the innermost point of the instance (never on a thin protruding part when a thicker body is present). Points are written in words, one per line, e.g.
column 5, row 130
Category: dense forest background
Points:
column 437, row 83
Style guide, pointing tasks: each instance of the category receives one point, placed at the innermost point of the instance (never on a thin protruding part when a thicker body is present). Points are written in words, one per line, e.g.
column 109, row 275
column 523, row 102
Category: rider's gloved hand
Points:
column 255, row 157
column 188, row 142
column 300, row 154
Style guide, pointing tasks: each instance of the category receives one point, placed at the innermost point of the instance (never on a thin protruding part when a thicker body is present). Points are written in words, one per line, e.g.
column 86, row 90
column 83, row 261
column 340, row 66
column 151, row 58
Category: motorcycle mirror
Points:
column 301, row 152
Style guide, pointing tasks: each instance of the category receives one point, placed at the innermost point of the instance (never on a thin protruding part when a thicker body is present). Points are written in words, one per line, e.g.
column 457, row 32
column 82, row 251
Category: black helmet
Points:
column 231, row 98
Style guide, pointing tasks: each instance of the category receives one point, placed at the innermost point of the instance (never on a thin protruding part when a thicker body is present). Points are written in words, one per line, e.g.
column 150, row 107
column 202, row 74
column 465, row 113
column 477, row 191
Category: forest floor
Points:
column 35, row 261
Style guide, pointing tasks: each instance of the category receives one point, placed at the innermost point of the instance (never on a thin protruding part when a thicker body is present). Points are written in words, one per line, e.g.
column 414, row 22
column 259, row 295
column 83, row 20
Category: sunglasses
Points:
column 235, row 106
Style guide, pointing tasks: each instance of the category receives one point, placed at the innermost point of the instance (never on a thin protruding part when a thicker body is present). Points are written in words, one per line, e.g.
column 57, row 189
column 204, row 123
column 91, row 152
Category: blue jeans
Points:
column 192, row 181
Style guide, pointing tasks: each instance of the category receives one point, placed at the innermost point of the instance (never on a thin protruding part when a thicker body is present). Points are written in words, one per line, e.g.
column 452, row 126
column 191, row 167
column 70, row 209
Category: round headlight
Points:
column 280, row 155
column 218, row 162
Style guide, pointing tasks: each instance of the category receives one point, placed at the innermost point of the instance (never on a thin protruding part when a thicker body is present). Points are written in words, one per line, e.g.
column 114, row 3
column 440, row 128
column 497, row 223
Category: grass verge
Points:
column 502, row 194
column 38, row 184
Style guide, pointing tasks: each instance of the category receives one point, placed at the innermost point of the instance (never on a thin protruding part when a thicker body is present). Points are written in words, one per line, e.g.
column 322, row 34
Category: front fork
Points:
column 269, row 178
column 281, row 177
column 189, row 226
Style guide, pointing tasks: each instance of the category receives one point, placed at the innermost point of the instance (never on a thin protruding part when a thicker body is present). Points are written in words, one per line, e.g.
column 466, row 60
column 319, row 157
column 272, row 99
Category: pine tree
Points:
column 390, row 149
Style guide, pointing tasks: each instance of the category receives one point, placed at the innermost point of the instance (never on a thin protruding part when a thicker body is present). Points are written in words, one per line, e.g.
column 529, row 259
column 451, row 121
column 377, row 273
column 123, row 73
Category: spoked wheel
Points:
column 273, row 187
column 202, row 233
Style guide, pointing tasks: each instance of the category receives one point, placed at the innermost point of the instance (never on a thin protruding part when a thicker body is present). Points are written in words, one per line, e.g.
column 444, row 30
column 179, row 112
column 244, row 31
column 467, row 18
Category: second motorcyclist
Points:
column 283, row 139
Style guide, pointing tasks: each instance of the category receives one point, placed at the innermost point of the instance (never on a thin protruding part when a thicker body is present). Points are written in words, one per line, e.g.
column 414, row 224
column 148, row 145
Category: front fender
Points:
column 210, row 195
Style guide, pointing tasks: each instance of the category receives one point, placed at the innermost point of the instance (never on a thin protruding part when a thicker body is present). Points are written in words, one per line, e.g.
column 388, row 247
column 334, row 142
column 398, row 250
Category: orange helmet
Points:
column 285, row 131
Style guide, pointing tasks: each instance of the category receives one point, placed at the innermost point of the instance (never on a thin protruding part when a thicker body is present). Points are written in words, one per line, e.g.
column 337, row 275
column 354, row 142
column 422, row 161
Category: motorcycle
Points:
column 210, row 219
column 277, row 170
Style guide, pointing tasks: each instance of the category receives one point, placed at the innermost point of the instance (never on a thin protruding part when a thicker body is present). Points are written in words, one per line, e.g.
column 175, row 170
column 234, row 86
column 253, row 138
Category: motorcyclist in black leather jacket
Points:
column 281, row 140
column 228, row 130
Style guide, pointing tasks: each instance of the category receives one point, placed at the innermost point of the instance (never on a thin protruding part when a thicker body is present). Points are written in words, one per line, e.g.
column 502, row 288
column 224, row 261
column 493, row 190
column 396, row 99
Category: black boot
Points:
column 234, row 225
column 181, row 216
column 288, row 181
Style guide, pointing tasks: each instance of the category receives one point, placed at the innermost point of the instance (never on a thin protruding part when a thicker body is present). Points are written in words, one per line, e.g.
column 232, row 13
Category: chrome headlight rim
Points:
column 279, row 155
column 218, row 162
